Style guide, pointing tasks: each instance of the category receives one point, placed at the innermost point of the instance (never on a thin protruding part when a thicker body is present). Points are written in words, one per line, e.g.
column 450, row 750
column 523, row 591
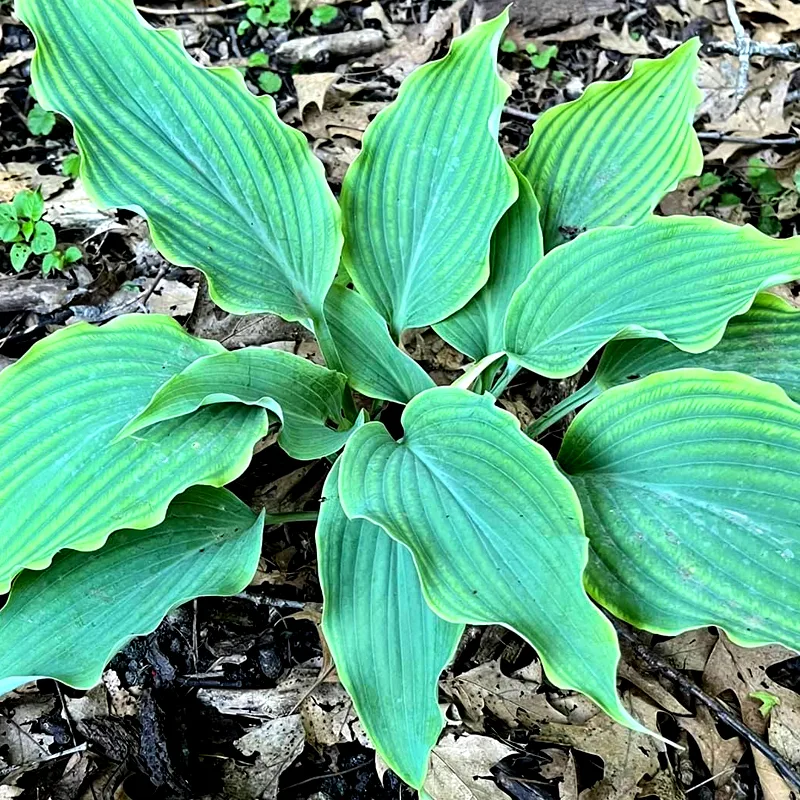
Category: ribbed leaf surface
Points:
column 764, row 343
column 68, row 621
column 690, row 483
column 389, row 647
column 307, row 398
column 374, row 365
column 64, row 483
column 495, row 530
column 227, row 187
column 421, row 200
column 675, row 278
column 610, row 156
column 477, row 328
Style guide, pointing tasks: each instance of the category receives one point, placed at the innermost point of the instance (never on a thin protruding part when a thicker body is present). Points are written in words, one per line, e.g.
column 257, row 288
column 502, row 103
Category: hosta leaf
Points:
column 495, row 530
column 389, row 647
column 477, row 328
column 421, row 200
column 374, row 365
column 610, row 156
column 690, row 482
column 764, row 342
column 64, row 482
column 674, row 278
column 307, row 398
column 227, row 187
column 68, row 621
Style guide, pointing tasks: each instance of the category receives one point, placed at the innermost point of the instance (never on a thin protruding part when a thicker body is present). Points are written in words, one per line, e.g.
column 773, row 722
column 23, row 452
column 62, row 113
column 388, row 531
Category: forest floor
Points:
column 235, row 697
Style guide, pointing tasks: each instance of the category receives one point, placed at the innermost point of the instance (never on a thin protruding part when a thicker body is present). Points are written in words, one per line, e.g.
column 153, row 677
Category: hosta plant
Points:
column 674, row 501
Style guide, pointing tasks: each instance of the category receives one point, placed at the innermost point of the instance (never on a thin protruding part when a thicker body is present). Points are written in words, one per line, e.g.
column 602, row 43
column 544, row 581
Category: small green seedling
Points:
column 323, row 15
column 540, row 59
column 40, row 121
column 265, row 13
column 672, row 500
column 22, row 227
column 269, row 82
column 71, row 166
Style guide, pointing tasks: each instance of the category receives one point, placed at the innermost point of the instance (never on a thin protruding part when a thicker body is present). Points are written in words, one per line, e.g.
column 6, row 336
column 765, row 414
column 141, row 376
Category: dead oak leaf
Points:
column 461, row 768
column 312, row 88
column 512, row 700
column 786, row 10
column 629, row 758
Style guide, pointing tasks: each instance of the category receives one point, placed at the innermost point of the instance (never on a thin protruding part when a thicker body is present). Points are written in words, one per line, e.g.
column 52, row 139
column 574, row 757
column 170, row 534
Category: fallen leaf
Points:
column 267, row 750
column 312, row 88
column 628, row 757
column 461, row 768
column 486, row 689
column 623, row 42
column 786, row 10
column 744, row 671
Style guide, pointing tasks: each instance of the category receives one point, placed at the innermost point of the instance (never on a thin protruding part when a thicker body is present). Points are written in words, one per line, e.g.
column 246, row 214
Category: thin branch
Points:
column 520, row 114
column 743, row 44
column 719, row 710
column 790, row 51
column 714, row 136
column 171, row 12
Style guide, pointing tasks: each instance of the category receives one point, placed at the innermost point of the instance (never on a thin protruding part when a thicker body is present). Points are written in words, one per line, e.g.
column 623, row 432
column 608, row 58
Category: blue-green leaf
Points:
column 477, row 328
column 226, row 186
column 69, row 620
column 610, row 156
column 421, row 200
column 495, row 530
column 690, row 483
column 388, row 646
column 373, row 363
column 65, row 481
column 306, row 398
column 675, row 278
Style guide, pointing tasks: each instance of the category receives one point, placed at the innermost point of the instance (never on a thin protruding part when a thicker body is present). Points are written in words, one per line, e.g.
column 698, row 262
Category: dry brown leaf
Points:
column 628, row 757
column 539, row 15
column 270, row 749
column 14, row 60
column 623, row 42
column 719, row 755
column 418, row 42
column 744, row 671
column 348, row 119
column 461, row 768
column 670, row 14
column 761, row 111
column 312, row 88
column 486, row 689
column 786, row 10
column 689, row 651
column 15, row 176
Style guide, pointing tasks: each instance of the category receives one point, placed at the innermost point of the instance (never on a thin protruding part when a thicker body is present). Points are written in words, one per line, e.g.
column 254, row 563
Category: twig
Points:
column 743, row 44
column 720, row 711
column 272, row 602
column 713, row 136
column 520, row 114
column 788, row 52
column 171, row 12
column 148, row 293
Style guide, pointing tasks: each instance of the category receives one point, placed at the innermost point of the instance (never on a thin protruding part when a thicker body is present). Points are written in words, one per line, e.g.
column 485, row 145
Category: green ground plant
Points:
column 27, row 234
column 674, row 501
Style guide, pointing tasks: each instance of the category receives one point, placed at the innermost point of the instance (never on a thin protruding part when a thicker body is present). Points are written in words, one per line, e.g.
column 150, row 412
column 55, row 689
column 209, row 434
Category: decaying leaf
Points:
column 312, row 88
column 267, row 751
column 460, row 768
column 486, row 690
